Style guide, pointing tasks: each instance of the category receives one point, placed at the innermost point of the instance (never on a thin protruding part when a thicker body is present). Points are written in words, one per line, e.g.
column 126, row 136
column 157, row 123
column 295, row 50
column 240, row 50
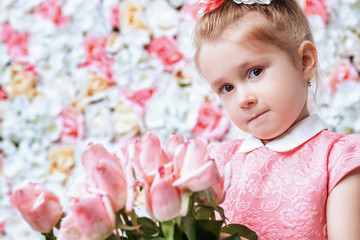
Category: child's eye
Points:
column 255, row 72
column 227, row 88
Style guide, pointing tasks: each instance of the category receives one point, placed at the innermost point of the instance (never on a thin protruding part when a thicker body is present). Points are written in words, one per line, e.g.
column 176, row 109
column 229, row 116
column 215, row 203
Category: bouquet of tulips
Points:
column 181, row 186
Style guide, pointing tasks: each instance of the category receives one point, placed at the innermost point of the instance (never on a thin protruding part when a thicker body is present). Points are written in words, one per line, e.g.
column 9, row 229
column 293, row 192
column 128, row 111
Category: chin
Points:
column 266, row 137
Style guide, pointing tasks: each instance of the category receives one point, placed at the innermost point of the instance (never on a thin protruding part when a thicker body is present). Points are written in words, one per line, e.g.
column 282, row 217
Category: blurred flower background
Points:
column 108, row 71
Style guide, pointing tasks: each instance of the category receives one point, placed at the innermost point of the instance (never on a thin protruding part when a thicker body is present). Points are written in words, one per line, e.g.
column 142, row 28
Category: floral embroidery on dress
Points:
column 282, row 195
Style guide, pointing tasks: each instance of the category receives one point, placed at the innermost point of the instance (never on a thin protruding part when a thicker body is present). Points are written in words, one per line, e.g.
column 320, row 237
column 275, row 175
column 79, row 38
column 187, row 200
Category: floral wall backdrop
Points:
column 108, row 71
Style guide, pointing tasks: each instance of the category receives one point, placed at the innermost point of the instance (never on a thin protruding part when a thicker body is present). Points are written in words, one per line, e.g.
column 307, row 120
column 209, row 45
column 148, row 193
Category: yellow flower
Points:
column 22, row 82
column 96, row 84
column 125, row 122
column 61, row 159
column 133, row 17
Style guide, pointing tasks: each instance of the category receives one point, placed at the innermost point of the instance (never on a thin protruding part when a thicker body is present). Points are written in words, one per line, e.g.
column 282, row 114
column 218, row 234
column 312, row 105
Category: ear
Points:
column 308, row 59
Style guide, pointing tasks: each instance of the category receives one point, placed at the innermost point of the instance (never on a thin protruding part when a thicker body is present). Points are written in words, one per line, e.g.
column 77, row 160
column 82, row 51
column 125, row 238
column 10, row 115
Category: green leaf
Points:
column 212, row 226
column 178, row 233
column 241, row 229
column 204, row 212
column 148, row 227
column 112, row 237
column 202, row 233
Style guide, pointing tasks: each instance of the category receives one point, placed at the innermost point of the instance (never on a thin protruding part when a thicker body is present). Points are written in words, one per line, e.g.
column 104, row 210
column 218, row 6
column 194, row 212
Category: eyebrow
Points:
column 245, row 64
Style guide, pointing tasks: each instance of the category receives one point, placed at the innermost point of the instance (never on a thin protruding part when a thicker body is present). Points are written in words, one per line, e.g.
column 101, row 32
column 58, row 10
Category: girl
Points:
column 292, row 179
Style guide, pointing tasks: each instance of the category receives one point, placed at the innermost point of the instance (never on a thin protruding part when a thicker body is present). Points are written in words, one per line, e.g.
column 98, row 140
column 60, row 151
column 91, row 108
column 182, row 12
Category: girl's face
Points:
column 258, row 83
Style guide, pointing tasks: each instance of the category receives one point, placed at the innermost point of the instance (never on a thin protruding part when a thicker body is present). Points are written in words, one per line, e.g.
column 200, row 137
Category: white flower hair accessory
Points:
column 253, row 1
column 210, row 5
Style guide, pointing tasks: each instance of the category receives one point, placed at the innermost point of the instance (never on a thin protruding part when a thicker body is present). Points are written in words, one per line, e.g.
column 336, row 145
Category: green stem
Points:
column 49, row 235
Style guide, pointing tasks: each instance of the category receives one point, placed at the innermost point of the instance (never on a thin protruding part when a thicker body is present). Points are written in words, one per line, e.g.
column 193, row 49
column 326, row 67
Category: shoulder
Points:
column 224, row 151
column 345, row 144
column 344, row 157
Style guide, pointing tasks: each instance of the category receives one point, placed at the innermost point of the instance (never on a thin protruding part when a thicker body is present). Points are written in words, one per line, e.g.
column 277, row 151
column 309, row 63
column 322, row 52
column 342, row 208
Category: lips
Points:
column 257, row 116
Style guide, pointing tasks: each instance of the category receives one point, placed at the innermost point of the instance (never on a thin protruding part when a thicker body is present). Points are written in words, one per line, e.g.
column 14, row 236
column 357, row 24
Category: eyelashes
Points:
column 252, row 74
column 226, row 88
column 255, row 72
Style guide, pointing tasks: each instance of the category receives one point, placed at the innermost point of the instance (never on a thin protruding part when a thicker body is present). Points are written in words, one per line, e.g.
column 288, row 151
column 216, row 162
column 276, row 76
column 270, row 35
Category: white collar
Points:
column 294, row 137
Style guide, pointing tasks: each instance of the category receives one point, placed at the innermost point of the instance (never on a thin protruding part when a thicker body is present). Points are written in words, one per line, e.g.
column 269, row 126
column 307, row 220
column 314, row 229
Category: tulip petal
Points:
column 165, row 199
column 94, row 216
column 199, row 179
column 175, row 140
column 152, row 155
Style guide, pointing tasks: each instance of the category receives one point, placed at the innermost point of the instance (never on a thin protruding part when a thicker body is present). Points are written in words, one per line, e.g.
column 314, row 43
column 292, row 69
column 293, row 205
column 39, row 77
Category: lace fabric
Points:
column 282, row 195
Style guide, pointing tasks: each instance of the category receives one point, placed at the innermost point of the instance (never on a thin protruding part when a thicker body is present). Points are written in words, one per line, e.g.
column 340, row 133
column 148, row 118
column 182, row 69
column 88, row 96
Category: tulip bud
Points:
column 38, row 206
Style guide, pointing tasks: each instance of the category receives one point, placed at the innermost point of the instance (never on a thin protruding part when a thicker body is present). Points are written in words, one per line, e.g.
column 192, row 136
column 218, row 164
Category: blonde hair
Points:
column 284, row 25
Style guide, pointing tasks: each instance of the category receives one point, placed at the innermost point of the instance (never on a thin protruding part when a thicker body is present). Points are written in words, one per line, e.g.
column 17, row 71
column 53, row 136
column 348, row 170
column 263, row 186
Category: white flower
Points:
column 253, row 1
column 162, row 19
column 98, row 122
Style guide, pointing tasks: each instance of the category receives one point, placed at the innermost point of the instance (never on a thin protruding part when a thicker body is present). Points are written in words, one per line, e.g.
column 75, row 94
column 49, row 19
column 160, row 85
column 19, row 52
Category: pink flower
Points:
column 196, row 172
column 345, row 71
column 2, row 227
column 3, row 94
column 221, row 184
column 174, row 141
column 209, row 5
column 1, row 160
column 316, row 7
column 105, row 171
column 212, row 122
column 165, row 200
column 52, row 10
column 166, row 50
column 191, row 9
column 17, row 43
column 139, row 98
column 170, row 176
column 90, row 218
column 115, row 17
column 38, row 206
column 148, row 156
column 72, row 126
column 96, row 56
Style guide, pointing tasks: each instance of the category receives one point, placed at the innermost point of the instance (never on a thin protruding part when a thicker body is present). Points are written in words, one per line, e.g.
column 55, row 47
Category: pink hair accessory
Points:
column 210, row 5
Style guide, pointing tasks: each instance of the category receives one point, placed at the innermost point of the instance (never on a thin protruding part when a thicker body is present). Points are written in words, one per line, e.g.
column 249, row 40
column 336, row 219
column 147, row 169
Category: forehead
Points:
column 218, row 58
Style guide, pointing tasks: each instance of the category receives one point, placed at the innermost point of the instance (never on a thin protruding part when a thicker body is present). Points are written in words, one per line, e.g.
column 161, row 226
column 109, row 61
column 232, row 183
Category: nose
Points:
column 247, row 99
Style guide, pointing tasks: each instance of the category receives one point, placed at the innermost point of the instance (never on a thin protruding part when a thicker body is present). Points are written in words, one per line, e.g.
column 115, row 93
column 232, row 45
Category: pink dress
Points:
column 280, row 190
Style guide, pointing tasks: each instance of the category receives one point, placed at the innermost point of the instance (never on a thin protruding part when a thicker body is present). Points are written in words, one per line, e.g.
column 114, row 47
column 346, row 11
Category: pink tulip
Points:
column 197, row 171
column 221, row 184
column 91, row 218
column 174, row 141
column 38, row 206
column 164, row 199
column 105, row 171
column 148, row 156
